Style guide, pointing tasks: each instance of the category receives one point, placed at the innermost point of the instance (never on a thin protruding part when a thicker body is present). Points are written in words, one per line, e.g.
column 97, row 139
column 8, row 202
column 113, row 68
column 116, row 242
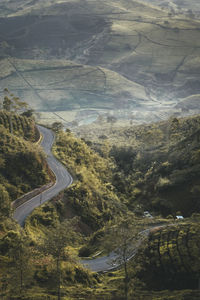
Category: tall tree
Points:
column 13, row 103
column 124, row 238
column 4, row 202
column 16, row 247
column 55, row 243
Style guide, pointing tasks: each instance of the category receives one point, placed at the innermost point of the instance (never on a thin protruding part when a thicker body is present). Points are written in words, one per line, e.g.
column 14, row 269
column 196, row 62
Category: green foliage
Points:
column 57, row 126
column 91, row 196
column 43, row 216
column 36, row 269
column 171, row 258
column 5, row 208
column 22, row 163
column 148, row 171
column 15, row 254
column 157, row 166
column 22, row 126
column 124, row 238
column 12, row 103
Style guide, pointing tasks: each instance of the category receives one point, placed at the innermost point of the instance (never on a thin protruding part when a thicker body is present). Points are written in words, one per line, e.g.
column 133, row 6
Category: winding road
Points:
column 63, row 179
column 114, row 260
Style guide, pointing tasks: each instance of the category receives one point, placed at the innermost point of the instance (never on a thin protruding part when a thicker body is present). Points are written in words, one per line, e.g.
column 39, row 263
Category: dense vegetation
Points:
column 157, row 165
column 35, row 270
column 92, row 195
column 171, row 258
column 29, row 268
column 108, row 183
column 20, row 125
column 22, row 163
column 109, row 164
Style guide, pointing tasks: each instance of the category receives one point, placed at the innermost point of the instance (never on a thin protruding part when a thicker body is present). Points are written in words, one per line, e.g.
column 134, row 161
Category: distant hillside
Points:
column 182, row 6
column 60, row 85
column 142, row 44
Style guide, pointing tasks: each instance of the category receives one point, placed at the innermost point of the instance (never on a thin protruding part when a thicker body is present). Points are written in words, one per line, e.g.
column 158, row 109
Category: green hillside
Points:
column 166, row 265
column 106, row 185
column 171, row 258
column 157, row 165
column 91, row 196
column 20, row 125
column 27, row 266
column 22, row 164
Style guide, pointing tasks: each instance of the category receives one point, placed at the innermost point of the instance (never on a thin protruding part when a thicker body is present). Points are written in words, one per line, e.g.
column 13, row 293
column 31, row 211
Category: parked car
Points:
column 147, row 214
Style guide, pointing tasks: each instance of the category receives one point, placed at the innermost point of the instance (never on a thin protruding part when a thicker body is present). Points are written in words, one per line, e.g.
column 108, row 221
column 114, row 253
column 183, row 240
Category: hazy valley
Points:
column 102, row 201
column 130, row 56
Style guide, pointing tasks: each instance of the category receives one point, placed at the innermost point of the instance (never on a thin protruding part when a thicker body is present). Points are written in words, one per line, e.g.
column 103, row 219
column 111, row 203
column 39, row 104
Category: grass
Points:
column 65, row 85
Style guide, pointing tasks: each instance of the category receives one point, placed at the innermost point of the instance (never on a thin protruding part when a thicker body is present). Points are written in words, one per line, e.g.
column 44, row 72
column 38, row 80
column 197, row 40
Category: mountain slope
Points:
column 170, row 259
column 22, row 164
column 61, row 85
column 157, row 165
column 142, row 43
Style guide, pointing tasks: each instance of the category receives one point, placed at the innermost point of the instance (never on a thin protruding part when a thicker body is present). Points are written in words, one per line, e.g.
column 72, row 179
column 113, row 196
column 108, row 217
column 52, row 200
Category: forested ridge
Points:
column 157, row 165
column 171, row 257
column 29, row 266
column 22, row 163
column 78, row 220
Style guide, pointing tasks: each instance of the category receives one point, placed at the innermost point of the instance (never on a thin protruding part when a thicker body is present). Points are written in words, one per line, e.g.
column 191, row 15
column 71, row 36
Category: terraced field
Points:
column 118, row 55
column 173, row 258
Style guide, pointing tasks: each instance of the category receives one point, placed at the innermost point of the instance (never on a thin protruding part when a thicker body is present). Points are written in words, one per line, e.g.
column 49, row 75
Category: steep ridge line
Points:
column 63, row 179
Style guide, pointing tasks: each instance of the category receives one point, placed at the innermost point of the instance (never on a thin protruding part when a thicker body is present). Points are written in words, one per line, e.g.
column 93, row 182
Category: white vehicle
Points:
column 179, row 217
column 147, row 214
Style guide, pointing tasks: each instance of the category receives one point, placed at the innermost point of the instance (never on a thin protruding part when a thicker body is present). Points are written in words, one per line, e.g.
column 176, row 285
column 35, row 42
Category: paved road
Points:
column 113, row 260
column 63, row 179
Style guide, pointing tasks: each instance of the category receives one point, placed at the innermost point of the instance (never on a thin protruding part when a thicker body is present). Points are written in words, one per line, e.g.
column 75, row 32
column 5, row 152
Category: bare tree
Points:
column 124, row 238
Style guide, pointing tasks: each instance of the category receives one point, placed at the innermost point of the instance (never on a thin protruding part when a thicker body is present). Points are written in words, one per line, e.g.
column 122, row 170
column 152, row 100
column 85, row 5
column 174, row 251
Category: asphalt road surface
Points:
column 113, row 260
column 63, row 179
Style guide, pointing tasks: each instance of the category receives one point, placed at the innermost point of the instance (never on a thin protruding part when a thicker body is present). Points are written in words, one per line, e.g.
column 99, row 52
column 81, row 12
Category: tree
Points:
column 55, row 243
column 7, row 103
column 16, row 247
column 111, row 119
column 57, row 126
column 28, row 113
column 4, row 202
column 124, row 238
column 13, row 103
